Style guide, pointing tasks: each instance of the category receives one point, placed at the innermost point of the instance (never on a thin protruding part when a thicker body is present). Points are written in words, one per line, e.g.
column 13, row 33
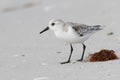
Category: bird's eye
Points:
column 53, row 24
column 81, row 34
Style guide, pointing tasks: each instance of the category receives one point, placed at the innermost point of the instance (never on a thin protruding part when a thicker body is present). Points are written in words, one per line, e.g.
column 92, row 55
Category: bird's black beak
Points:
column 47, row 28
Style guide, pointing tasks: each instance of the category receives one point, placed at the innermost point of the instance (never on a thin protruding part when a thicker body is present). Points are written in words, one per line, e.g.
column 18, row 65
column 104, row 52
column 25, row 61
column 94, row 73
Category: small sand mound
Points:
column 103, row 55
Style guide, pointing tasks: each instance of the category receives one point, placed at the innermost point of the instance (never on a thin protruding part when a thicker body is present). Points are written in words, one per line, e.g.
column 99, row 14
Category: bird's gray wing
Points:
column 83, row 29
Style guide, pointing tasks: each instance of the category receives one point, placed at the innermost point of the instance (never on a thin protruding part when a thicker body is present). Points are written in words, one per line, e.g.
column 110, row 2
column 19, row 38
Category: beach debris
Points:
column 103, row 55
column 110, row 33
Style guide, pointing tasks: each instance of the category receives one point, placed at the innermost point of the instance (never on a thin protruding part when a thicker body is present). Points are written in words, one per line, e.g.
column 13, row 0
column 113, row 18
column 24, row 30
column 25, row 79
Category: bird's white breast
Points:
column 68, row 36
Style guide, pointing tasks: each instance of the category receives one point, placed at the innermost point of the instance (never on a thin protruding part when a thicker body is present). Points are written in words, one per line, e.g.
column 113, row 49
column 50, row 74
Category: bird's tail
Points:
column 98, row 27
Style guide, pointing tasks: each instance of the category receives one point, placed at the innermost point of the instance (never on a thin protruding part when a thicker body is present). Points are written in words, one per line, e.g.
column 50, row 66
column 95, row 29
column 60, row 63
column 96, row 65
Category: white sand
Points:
column 27, row 55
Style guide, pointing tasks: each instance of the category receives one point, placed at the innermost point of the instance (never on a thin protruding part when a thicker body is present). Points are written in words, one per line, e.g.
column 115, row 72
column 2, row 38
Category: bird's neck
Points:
column 59, row 33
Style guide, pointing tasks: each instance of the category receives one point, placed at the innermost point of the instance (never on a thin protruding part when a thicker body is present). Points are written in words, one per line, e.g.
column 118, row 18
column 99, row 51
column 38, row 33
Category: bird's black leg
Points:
column 69, row 55
column 84, row 47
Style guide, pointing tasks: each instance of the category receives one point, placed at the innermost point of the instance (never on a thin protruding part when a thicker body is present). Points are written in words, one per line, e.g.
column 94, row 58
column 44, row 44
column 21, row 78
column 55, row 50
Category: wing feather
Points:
column 83, row 29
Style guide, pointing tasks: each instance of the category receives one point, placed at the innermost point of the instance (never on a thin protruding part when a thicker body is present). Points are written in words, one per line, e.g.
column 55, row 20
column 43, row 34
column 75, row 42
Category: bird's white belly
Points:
column 70, row 37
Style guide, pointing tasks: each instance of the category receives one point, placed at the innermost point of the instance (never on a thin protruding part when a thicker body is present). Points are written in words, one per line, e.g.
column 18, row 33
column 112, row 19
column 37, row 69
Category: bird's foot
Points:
column 65, row 62
column 80, row 60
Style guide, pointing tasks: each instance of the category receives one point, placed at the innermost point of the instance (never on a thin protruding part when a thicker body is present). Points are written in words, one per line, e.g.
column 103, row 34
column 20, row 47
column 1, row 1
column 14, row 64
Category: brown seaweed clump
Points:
column 103, row 55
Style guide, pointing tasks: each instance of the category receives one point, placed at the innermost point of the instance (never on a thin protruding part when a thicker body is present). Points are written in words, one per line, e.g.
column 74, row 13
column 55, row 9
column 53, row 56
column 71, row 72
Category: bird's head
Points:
column 55, row 25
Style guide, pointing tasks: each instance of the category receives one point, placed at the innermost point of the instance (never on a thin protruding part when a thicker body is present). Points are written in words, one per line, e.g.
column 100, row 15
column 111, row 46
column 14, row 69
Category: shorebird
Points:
column 72, row 33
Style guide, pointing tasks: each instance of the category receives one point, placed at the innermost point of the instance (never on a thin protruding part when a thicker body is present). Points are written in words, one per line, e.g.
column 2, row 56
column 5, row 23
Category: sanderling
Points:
column 72, row 33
